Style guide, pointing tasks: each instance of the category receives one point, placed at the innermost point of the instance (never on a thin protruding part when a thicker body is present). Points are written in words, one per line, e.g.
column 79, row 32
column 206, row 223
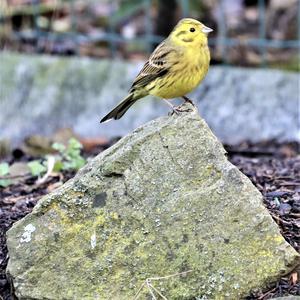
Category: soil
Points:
column 273, row 168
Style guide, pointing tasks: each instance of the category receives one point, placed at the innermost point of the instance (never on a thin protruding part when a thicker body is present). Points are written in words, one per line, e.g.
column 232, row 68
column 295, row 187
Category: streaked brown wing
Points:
column 158, row 65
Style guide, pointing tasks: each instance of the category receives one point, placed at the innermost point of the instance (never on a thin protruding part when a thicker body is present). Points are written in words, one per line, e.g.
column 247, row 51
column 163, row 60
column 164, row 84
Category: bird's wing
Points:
column 157, row 66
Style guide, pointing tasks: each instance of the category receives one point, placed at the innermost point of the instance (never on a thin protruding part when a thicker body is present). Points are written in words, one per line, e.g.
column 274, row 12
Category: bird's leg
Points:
column 170, row 104
column 174, row 109
column 186, row 99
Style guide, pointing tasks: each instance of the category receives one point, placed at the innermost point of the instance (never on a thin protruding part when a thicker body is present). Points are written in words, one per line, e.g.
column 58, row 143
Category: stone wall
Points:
column 39, row 94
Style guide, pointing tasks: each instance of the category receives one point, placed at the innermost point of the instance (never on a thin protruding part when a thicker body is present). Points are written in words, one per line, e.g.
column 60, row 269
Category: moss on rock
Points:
column 162, row 201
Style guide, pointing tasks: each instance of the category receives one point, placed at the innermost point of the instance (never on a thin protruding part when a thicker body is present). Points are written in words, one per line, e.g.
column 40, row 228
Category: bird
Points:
column 175, row 68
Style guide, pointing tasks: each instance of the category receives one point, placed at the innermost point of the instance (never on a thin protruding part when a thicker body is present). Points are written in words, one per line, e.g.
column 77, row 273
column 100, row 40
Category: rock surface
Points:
column 162, row 201
column 41, row 94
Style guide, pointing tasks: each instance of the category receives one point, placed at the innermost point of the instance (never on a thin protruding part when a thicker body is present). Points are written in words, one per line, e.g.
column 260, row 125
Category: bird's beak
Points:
column 206, row 29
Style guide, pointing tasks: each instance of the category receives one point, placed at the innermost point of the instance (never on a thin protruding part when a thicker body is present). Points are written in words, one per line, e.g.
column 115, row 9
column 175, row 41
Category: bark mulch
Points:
column 273, row 168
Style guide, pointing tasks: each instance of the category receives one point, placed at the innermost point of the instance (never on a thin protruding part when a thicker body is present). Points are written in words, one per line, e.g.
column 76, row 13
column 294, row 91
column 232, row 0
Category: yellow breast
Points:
column 185, row 74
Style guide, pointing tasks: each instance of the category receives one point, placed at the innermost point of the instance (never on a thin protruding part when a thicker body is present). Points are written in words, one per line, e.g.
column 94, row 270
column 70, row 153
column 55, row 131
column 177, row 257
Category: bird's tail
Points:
column 121, row 108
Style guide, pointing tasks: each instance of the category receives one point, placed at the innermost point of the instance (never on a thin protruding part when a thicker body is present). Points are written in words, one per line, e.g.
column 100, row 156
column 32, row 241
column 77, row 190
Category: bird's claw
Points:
column 177, row 110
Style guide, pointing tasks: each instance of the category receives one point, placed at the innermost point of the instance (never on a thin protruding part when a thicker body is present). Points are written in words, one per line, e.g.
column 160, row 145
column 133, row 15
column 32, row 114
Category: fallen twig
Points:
column 266, row 294
column 13, row 199
column 279, row 219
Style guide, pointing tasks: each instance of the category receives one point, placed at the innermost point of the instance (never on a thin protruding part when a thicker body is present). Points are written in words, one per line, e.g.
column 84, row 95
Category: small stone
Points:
column 284, row 209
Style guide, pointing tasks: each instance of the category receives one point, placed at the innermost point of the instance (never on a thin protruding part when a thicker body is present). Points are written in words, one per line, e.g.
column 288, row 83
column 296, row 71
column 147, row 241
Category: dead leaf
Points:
column 294, row 278
column 63, row 136
column 37, row 145
column 90, row 143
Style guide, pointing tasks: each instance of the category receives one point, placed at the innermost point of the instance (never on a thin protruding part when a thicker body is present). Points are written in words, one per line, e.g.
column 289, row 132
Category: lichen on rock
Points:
column 162, row 201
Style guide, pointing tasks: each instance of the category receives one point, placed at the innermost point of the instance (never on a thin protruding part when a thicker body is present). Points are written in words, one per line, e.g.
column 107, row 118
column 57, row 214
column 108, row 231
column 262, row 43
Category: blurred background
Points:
column 247, row 32
column 64, row 64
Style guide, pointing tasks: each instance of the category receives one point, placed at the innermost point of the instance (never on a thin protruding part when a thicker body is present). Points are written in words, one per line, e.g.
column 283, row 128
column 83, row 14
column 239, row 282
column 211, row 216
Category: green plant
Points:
column 4, row 171
column 36, row 167
column 69, row 157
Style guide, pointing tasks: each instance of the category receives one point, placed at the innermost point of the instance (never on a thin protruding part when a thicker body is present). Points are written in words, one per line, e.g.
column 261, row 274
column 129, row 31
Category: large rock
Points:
column 41, row 94
column 162, row 201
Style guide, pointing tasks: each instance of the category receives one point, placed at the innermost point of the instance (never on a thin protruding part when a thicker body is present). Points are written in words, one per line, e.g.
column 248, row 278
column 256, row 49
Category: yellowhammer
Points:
column 175, row 68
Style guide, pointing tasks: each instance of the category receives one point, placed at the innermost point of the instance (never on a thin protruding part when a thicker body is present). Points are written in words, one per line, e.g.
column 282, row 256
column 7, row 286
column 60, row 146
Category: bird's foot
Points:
column 179, row 109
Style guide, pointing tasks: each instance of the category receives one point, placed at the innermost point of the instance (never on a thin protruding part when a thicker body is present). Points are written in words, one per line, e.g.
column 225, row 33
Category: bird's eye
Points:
column 192, row 29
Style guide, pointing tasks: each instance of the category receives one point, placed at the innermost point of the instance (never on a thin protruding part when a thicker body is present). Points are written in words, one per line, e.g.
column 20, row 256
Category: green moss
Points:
column 172, row 204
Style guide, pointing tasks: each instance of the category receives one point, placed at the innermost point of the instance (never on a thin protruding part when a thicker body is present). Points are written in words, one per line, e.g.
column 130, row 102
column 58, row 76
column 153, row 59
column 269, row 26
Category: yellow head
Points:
column 190, row 32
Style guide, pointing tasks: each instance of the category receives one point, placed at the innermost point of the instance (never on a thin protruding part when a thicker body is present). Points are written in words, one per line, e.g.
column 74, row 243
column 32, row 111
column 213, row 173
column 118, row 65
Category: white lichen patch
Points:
column 26, row 236
column 93, row 240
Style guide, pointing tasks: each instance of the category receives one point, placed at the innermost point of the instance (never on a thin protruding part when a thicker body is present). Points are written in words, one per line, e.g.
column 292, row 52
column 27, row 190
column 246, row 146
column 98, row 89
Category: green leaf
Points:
column 4, row 169
column 36, row 168
column 59, row 147
column 58, row 166
column 69, row 157
column 5, row 183
column 74, row 144
column 73, row 149
column 74, row 164
column 80, row 162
